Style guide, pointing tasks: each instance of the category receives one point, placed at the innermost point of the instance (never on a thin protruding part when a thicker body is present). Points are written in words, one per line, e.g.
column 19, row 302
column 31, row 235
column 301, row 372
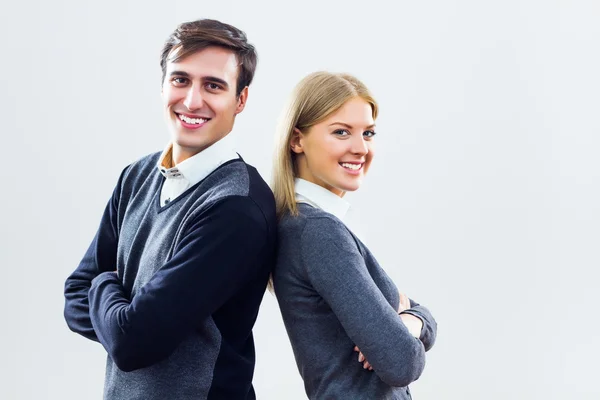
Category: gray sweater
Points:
column 333, row 295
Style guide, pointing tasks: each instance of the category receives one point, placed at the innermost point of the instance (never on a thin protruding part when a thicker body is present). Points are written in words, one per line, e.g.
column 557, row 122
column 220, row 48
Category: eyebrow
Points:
column 213, row 79
column 350, row 126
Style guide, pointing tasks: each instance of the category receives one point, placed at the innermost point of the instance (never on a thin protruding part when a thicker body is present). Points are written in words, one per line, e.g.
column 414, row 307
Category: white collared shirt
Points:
column 318, row 196
column 192, row 170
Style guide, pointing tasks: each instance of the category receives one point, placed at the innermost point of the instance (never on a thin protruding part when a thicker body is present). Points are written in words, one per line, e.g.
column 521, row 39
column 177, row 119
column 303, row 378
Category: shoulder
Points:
column 236, row 192
column 317, row 229
column 315, row 243
column 139, row 169
column 146, row 163
column 236, row 178
column 238, row 183
column 134, row 174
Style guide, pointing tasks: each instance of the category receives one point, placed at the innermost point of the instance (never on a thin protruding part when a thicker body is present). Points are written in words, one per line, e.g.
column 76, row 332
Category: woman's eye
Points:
column 341, row 132
column 369, row 134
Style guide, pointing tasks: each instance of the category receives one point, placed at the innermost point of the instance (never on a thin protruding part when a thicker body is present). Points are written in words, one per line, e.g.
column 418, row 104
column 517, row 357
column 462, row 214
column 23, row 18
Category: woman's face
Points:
column 337, row 152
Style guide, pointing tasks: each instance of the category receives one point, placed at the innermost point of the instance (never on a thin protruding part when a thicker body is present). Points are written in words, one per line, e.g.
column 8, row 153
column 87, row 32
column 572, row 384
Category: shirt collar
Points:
column 319, row 197
column 200, row 165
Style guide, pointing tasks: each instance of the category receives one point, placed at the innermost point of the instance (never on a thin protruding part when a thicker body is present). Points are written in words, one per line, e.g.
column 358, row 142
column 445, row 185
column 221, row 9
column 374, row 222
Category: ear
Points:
column 296, row 141
column 243, row 97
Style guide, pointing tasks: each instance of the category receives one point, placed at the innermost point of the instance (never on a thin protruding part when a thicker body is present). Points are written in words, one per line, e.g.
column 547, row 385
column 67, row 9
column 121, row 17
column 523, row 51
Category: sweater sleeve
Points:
column 224, row 247
column 100, row 256
column 338, row 272
column 429, row 331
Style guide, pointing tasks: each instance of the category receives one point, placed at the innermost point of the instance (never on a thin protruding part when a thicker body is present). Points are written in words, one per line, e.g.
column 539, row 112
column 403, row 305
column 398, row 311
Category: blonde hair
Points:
column 313, row 100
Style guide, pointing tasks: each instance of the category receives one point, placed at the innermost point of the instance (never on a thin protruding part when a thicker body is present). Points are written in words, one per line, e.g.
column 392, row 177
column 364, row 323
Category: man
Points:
column 172, row 282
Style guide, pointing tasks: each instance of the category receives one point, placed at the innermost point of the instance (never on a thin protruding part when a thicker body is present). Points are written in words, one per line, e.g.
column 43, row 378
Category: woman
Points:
column 354, row 336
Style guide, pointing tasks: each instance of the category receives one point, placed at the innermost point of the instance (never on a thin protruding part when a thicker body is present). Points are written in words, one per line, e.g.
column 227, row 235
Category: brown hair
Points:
column 190, row 37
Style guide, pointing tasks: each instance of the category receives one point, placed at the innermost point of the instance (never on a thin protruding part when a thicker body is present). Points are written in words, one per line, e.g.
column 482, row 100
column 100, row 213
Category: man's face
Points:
column 199, row 96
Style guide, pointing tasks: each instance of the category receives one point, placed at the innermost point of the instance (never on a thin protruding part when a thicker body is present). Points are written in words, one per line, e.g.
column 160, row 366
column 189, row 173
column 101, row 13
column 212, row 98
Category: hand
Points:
column 414, row 324
column 404, row 303
column 362, row 359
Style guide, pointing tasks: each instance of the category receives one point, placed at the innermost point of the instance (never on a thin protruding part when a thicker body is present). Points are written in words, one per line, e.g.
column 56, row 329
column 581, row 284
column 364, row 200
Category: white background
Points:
column 482, row 201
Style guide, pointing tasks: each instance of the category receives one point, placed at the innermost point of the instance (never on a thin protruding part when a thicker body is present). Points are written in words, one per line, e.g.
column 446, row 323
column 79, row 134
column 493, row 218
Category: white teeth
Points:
column 354, row 167
column 188, row 120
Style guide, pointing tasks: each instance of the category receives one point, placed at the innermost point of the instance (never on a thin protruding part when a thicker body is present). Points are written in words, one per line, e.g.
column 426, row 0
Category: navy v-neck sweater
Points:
column 173, row 292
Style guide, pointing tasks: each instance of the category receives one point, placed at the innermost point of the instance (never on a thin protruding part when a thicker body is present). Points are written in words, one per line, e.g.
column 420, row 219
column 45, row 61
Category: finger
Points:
column 405, row 301
column 402, row 305
column 356, row 349
column 361, row 358
column 366, row 365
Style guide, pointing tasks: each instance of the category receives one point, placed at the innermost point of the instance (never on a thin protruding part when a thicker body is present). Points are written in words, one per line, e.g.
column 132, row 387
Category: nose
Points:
column 359, row 145
column 193, row 99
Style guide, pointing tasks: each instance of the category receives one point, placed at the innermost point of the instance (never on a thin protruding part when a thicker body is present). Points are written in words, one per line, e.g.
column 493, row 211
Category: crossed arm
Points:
column 222, row 249
column 419, row 322
column 101, row 256
column 338, row 273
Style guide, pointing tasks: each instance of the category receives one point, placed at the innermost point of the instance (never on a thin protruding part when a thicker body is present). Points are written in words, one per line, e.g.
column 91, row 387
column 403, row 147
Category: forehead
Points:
column 212, row 61
column 356, row 112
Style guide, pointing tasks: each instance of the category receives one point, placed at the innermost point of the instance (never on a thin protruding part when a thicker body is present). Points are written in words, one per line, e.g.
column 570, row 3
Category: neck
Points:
column 179, row 154
column 304, row 173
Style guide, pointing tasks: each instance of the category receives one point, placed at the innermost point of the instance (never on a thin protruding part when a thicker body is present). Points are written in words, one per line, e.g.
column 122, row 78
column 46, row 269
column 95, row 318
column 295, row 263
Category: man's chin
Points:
column 187, row 148
column 192, row 139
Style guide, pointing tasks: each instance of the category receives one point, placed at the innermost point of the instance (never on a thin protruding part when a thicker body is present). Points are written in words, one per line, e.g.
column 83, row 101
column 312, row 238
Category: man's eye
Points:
column 213, row 86
column 177, row 81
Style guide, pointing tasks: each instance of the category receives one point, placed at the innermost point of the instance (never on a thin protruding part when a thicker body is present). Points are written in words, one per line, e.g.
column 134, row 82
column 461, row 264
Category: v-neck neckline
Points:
column 162, row 208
